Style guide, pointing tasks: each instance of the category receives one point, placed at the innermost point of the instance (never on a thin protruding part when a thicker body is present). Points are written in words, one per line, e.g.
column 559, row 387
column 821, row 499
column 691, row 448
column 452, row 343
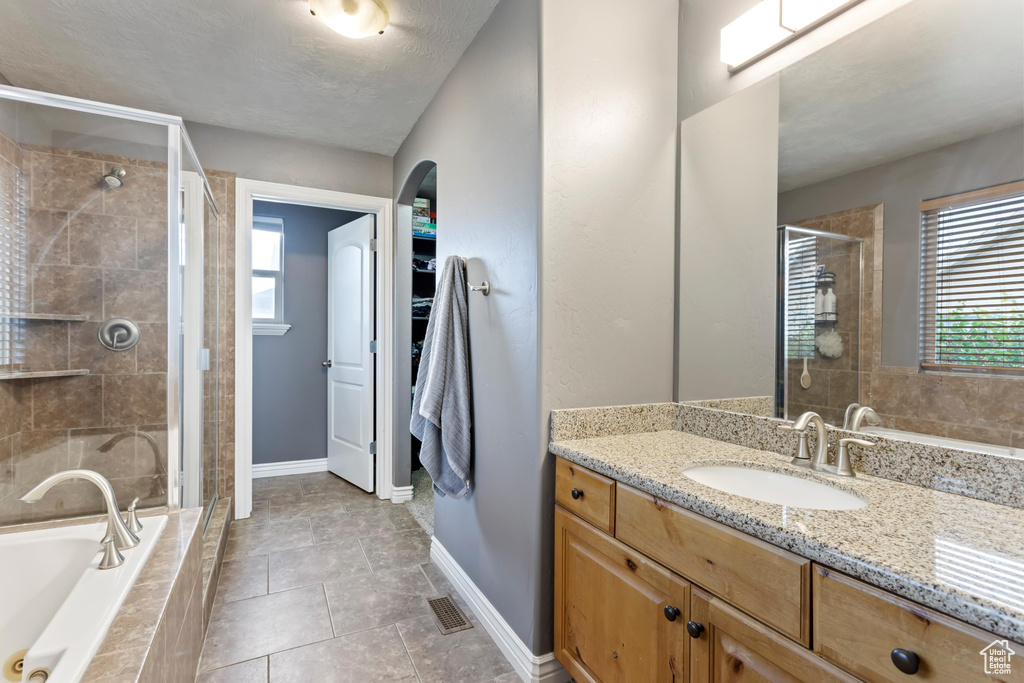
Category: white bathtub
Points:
column 55, row 602
column 945, row 442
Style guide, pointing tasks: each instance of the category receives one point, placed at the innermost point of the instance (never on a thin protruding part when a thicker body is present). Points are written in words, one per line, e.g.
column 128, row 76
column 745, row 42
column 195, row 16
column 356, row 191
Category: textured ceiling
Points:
column 258, row 65
column 929, row 74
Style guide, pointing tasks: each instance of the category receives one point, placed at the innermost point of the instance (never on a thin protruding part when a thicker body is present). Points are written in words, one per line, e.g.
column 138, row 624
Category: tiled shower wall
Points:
column 972, row 407
column 78, row 249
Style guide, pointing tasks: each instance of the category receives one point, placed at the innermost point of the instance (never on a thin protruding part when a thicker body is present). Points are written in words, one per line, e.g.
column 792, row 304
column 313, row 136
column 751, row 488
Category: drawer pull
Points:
column 671, row 612
column 694, row 628
column 576, row 493
column 906, row 661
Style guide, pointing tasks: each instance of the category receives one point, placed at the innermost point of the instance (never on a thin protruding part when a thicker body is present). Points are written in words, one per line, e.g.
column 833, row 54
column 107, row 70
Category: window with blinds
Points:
column 802, row 259
column 972, row 281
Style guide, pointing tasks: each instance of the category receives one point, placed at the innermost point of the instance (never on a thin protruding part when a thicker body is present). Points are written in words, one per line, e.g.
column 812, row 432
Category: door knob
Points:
column 327, row 364
column 671, row 612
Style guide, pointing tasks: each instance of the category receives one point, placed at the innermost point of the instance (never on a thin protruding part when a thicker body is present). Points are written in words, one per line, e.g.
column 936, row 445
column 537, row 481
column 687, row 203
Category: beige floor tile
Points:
column 260, row 514
column 370, row 656
column 344, row 525
column 318, row 504
column 246, row 539
column 357, row 499
column 463, row 657
column 512, row 677
column 378, row 599
column 253, row 671
column 316, row 564
column 325, row 482
column 401, row 518
column 259, row 626
column 243, row 577
column 444, row 587
column 400, row 549
column 268, row 488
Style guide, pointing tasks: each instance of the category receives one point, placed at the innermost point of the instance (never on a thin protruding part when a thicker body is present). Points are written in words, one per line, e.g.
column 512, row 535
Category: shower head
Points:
column 116, row 177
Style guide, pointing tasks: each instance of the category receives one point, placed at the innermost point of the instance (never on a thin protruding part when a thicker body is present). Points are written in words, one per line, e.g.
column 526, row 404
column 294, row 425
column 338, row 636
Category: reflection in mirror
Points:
column 906, row 137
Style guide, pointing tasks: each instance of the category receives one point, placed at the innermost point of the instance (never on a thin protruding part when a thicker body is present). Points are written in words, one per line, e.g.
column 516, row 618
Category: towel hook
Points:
column 484, row 286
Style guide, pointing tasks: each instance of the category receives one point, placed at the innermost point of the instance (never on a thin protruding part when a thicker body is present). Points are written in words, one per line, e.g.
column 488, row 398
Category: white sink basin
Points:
column 773, row 487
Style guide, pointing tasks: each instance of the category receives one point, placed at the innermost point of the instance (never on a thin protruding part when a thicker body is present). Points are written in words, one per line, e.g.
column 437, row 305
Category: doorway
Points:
column 319, row 398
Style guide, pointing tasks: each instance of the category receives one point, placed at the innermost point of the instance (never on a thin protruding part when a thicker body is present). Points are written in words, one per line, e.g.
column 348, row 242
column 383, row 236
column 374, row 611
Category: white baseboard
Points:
column 401, row 494
column 280, row 469
column 528, row 666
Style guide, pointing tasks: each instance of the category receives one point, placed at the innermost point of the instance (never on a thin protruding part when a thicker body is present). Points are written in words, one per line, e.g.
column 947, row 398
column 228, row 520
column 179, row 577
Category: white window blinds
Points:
column 972, row 281
column 802, row 259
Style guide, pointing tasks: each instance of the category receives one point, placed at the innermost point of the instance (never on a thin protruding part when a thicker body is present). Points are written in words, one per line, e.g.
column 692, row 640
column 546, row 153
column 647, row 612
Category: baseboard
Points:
column 528, row 666
column 401, row 494
column 280, row 469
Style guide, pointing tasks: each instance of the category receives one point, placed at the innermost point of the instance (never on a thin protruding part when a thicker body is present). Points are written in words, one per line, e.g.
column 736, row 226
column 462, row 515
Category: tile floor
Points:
column 326, row 583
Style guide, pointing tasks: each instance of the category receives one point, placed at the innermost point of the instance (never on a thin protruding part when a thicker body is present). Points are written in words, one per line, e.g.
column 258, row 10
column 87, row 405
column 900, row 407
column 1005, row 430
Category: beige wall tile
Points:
column 67, row 402
column 47, row 237
column 139, row 295
column 88, row 353
column 134, row 399
column 68, row 290
column 98, row 240
column 64, row 183
column 143, row 195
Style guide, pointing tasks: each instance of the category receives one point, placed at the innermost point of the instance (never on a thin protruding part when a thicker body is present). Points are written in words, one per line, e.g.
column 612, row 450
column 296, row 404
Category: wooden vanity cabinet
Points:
column 731, row 647
column 618, row 616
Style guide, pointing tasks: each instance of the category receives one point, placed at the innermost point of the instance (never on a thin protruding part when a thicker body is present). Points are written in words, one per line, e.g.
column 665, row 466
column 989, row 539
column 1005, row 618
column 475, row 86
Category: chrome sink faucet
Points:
column 820, row 461
column 118, row 536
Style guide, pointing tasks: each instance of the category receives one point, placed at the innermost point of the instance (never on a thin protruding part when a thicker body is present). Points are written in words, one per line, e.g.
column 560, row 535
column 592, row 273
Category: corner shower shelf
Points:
column 29, row 374
column 45, row 316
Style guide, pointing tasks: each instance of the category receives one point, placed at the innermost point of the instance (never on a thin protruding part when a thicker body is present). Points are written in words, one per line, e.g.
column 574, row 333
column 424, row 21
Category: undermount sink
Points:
column 774, row 487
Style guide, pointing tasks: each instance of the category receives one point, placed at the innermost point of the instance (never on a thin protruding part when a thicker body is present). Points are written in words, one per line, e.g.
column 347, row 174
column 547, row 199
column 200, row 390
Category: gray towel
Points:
column 441, row 410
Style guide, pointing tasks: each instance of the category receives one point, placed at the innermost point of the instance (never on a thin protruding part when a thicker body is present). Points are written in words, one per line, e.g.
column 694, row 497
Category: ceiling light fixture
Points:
column 770, row 24
column 351, row 18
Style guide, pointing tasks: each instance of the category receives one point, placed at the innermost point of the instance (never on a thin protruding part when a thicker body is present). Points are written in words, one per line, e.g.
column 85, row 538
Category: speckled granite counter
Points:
column 958, row 555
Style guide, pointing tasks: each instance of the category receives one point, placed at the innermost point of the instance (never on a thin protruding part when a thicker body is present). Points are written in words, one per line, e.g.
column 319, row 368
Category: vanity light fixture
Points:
column 351, row 18
column 770, row 24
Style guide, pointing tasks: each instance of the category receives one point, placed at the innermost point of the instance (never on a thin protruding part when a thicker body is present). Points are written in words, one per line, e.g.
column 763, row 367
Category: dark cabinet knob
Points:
column 671, row 612
column 906, row 661
column 694, row 628
column 576, row 494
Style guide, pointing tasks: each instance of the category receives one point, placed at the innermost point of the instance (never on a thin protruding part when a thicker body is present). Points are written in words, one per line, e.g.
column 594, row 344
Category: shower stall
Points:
column 108, row 307
column 818, row 323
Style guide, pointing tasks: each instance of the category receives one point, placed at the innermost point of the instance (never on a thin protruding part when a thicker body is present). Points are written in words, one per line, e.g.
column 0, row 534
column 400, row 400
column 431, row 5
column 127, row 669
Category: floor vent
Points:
column 447, row 615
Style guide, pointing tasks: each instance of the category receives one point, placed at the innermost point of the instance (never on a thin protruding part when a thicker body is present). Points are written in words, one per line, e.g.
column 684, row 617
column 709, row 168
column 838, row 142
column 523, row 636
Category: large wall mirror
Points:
column 869, row 247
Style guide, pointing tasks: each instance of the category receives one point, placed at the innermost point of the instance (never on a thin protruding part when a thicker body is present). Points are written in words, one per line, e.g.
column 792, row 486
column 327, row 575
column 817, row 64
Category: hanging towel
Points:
column 441, row 410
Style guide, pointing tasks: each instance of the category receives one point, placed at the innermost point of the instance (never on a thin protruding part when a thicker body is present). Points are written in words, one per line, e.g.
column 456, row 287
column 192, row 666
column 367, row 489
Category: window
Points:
column 972, row 281
column 267, row 270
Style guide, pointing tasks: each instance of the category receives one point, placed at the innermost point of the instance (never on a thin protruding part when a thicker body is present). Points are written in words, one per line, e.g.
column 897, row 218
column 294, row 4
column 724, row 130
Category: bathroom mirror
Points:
column 869, row 247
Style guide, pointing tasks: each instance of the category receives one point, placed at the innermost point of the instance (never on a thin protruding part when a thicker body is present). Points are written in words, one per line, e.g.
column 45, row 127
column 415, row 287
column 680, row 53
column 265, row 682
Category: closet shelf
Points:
column 420, row 317
column 29, row 374
column 45, row 316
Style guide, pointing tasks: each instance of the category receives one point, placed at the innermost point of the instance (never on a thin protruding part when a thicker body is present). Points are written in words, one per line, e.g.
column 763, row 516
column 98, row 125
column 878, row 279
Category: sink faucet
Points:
column 117, row 531
column 857, row 415
column 803, row 457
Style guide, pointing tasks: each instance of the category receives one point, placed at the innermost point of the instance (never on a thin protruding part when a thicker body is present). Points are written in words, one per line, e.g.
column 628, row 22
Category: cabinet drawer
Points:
column 769, row 583
column 730, row 646
column 611, row 618
column 594, row 498
column 858, row 626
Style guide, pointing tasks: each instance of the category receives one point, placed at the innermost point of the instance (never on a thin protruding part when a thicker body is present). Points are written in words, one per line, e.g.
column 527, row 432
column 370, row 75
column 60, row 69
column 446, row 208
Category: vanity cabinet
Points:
column 619, row 616
column 648, row 591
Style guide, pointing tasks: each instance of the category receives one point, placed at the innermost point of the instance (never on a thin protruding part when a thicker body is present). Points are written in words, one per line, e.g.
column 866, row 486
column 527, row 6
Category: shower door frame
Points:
column 178, row 144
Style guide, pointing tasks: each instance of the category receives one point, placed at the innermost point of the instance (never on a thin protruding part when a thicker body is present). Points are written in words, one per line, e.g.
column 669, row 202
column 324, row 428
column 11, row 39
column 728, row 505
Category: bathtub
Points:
column 945, row 441
column 55, row 602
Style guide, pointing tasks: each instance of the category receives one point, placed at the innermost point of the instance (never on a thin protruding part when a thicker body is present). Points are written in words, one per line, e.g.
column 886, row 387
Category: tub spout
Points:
column 123, row 536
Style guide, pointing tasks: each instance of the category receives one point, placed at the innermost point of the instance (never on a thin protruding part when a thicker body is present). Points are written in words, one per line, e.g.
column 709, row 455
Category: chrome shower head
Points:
column 116, row 177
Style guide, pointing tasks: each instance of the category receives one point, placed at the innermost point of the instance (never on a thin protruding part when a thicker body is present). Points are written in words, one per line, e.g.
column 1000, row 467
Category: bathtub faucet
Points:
column 117, row 530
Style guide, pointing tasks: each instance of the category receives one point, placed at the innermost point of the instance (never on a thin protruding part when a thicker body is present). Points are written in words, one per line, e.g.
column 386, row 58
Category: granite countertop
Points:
column 961, row 556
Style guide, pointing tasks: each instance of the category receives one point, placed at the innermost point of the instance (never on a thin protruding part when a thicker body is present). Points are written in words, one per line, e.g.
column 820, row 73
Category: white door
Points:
column 350, row 383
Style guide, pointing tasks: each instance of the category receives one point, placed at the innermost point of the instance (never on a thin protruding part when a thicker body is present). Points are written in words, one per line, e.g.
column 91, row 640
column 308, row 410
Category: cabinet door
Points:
column 611, row 622
column 732, row 647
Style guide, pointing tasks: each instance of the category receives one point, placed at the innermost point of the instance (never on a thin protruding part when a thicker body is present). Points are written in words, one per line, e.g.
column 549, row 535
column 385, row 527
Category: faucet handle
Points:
column 112, row 557
column 843, row 466
column 789, row 428
column 803, row 453
column 133, row 517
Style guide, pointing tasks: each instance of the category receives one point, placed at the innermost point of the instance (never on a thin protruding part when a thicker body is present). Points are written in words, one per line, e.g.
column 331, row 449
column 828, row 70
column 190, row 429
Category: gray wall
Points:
column 293, row 162
column 482, row 129
column 289, row 406
column 608, row 231
column 988, row 160
column 728, row 191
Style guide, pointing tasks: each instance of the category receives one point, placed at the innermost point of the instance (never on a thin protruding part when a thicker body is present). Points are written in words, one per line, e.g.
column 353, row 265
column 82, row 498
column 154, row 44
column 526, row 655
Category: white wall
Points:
column 293, row 162
column 608, row 97
column 727, row 210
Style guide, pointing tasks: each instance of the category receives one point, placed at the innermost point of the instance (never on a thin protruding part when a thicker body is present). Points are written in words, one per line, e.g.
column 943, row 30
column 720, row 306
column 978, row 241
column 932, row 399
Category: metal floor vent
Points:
column 447, row 615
